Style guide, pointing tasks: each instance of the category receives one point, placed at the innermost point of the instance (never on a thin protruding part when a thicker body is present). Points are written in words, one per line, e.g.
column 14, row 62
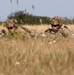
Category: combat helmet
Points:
column 11, row 23
column 56, row 20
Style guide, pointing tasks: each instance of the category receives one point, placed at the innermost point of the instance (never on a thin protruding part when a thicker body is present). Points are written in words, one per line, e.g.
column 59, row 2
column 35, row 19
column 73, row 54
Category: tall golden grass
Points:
column 41, row 28
column 23, row 55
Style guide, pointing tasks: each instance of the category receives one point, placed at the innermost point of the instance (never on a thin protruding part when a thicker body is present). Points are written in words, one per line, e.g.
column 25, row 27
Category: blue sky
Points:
column 48, row 8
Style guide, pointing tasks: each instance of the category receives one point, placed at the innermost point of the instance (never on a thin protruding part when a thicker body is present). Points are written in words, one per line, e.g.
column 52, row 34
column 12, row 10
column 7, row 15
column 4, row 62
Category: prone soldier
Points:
column 11, row 25
column 58, row 27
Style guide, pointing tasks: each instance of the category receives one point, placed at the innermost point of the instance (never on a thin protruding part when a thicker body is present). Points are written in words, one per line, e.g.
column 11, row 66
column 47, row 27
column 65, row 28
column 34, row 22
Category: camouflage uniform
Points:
column 2, row 33
column 11, row 25
column 62, row 30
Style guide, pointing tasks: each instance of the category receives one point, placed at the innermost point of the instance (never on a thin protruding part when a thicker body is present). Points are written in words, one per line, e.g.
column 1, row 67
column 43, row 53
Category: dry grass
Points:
column 41, row 28
column 20, row 55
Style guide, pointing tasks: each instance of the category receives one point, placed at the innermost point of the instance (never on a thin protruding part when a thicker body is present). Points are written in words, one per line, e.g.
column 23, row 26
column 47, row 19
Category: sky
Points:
column 48, row 8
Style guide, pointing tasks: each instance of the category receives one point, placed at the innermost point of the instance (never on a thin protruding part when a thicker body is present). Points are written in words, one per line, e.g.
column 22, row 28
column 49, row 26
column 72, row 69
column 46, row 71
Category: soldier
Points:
column 58, row 27
column 11, row 25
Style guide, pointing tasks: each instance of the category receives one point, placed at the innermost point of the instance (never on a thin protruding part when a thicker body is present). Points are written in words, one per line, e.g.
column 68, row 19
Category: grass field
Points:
column 41, row 28
column 21, row 55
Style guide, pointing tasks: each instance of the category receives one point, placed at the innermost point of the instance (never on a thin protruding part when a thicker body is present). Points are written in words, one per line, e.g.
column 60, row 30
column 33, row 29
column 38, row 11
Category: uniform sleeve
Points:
column 65, row 31
column 48, row 30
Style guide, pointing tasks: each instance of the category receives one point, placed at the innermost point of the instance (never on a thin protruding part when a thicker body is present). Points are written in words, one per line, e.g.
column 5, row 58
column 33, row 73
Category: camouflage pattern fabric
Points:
column 2, row 33
column 11, row 25
column 64, row 31
column 56, row 21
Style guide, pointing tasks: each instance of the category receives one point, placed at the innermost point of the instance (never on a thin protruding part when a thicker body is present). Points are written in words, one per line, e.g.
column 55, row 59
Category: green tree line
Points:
column 26, row 18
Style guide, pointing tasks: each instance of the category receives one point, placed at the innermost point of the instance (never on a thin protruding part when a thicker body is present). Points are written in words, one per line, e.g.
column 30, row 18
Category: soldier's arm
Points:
column 48, row 30
column 65, row 31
